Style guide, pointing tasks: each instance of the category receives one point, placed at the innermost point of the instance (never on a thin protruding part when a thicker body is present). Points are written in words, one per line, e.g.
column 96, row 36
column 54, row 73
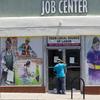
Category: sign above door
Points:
column 64, row 41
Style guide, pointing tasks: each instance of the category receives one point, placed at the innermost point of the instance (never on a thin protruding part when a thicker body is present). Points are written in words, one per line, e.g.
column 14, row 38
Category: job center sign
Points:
column 18, row 8
column 64, row 7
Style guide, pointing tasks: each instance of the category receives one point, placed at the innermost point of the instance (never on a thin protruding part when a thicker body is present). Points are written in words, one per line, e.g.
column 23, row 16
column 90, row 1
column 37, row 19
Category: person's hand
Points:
column 91, row 66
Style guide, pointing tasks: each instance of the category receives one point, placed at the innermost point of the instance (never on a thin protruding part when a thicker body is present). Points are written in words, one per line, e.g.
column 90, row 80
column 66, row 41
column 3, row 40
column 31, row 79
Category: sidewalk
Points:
column 46, row 96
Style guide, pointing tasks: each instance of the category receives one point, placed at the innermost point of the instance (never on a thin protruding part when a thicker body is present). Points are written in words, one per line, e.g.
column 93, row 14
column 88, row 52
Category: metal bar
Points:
column 72, row 82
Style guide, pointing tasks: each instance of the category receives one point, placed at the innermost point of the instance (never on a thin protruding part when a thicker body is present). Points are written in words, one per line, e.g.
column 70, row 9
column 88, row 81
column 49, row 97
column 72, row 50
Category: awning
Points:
column 49, row 26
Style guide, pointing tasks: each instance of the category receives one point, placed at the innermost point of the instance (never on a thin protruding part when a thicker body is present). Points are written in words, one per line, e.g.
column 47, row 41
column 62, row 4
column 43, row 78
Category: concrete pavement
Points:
column 46, row 96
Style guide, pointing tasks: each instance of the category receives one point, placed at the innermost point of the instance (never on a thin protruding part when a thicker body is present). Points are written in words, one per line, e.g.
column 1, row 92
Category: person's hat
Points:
column 59, row 61
column 27, row 63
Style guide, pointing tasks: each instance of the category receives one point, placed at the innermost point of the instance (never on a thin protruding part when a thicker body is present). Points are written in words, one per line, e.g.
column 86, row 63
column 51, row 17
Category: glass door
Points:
column 53, row 55
column 73, row 62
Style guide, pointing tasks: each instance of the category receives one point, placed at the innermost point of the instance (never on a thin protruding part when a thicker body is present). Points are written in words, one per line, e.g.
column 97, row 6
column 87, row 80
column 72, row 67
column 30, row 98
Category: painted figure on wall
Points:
column 93, row 61
column 29, row 72
column 27, row 67
column 26, row 49
column 29, row 62
column 7, row 63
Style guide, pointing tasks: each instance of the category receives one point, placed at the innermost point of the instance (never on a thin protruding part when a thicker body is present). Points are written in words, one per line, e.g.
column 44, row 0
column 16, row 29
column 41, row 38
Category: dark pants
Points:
column 3, row 78
column 60, row 85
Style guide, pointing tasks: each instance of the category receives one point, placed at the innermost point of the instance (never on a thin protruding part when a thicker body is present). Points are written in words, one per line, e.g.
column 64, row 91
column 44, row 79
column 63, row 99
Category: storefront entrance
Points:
column 72, row 58
column 73, row 70
column 52, row 56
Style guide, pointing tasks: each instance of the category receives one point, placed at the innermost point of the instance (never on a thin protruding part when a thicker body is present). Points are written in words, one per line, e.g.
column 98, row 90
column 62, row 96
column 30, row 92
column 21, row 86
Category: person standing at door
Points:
column 59, row 68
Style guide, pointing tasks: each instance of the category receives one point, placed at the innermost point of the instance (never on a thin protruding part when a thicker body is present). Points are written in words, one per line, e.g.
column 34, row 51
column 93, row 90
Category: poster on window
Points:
column 28, row 72
column 21, row 61
column 93, row 59
column 7, row 58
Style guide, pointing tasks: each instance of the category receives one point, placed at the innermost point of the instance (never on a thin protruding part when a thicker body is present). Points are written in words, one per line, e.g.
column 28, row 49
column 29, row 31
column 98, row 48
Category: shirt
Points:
column 59, row 69
column 93, row 57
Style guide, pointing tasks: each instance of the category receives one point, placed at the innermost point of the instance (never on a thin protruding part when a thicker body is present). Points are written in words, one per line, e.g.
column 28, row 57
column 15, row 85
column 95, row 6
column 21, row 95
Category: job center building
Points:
column 38, row 32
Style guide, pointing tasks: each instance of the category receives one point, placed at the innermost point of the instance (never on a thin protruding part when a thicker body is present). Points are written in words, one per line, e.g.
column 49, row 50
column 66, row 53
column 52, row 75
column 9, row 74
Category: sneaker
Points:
column 63, row 93
column 58, row 92
column 8, row 83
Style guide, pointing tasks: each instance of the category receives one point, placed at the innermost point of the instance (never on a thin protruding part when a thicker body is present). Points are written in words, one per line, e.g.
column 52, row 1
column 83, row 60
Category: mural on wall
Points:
column 8, row 49
column 26, row 49
column 21, row 61
column 93, row 59
column 28, row 72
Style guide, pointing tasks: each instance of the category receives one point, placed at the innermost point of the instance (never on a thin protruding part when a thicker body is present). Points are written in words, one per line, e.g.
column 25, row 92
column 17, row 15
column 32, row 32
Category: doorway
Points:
column 52, row 57
column 72, row 58
column 73, row 70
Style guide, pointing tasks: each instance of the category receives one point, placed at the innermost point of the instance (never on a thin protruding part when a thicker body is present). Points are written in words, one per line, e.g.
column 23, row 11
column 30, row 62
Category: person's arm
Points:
column 32, row 52
column 91, row 59
column 21, row 47
column 3, row 63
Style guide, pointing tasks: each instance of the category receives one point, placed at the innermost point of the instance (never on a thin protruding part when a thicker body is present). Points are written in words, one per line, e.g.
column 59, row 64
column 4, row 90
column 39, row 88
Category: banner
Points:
column 64, row 41
column 93, row 59
column 21, row 61
column 28, row 73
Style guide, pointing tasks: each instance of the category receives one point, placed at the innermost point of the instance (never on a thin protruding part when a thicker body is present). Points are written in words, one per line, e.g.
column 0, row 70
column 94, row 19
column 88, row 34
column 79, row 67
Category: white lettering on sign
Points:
column 64, row 7
column 48, row 7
